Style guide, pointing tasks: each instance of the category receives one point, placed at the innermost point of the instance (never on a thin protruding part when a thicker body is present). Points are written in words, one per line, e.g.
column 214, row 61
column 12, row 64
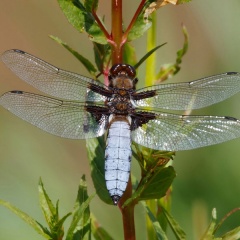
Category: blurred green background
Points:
column 206, row 178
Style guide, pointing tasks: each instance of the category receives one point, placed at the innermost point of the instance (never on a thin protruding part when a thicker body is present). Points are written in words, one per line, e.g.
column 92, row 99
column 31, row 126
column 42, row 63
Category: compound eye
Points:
column 115, row 69
column 130, row 71
column 124, row 69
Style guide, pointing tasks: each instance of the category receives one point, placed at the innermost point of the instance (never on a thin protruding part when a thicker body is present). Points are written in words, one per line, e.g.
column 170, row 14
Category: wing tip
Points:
column 232, row 73
column 232, row 119
column 6, row 56
column 16, row 91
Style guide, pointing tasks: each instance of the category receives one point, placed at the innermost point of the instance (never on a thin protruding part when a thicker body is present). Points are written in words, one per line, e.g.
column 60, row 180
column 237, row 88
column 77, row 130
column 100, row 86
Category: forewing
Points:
column 50, row 79
column 170, row 132
column 61, row 118
column 192, row 95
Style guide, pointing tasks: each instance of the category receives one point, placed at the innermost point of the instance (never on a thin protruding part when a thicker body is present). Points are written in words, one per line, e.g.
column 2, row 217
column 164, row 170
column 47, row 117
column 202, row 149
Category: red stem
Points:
column 128, row 214
column 117, row 31
column 117, row 39
column 99, row 22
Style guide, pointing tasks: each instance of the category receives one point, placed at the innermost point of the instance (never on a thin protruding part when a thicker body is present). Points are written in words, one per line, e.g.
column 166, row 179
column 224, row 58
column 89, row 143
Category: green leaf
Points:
column 147, row 55
column 51, row 214
column 154, row 185
column 86, row 63
column 80, row 224
column 141, row 25
column 156, row 178
column 160, row 234
column 96, row 155
column 30, row 221
column 74, row 15
column 81, row 18
column 177, row 230
column 90, row 25
column 49, row 211
column 98, row 231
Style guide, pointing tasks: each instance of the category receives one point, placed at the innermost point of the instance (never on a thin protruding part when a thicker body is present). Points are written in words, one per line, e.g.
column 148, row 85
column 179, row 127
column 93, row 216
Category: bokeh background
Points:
column 206, row 178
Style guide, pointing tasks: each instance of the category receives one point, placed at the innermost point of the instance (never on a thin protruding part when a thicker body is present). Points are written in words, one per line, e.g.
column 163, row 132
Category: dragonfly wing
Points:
column 191, row 95
column 50, row 79
column 61, row 118
column 170, row 132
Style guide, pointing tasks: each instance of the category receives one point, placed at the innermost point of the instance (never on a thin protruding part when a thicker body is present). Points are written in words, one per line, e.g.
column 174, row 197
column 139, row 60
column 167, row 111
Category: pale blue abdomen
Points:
column 118, row 155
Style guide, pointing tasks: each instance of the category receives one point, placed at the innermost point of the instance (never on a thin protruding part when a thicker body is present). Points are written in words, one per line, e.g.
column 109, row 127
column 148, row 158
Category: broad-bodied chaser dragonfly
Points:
column 87, row 108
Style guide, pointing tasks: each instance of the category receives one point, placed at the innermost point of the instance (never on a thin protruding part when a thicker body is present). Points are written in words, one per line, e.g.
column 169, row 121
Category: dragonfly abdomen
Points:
column 118, row 159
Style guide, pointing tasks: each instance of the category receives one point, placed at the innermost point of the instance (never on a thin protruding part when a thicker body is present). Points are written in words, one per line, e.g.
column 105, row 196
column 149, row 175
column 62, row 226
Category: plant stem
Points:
column 151, row 61
column 149, row 80
column 128, row 223
column 128, row 214
column 99, row 22
column 117, row 31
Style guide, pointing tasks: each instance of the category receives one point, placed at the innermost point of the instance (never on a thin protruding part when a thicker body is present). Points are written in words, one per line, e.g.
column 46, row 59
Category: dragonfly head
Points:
column 122, row 76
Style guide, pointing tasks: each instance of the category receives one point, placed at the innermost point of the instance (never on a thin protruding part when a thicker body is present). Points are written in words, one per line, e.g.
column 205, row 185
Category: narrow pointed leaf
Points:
column 83, row 234
column 160, row 234
column 177, row 230
column 80, row 224
column 49, row 211
column 84, row 224
column 147, row 55
column 45, row 230
column 86, row 63
column 25, row 217
column 76, row 218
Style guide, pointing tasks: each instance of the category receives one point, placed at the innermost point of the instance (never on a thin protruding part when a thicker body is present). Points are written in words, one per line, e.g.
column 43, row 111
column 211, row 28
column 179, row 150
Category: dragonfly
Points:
column 79, row 107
